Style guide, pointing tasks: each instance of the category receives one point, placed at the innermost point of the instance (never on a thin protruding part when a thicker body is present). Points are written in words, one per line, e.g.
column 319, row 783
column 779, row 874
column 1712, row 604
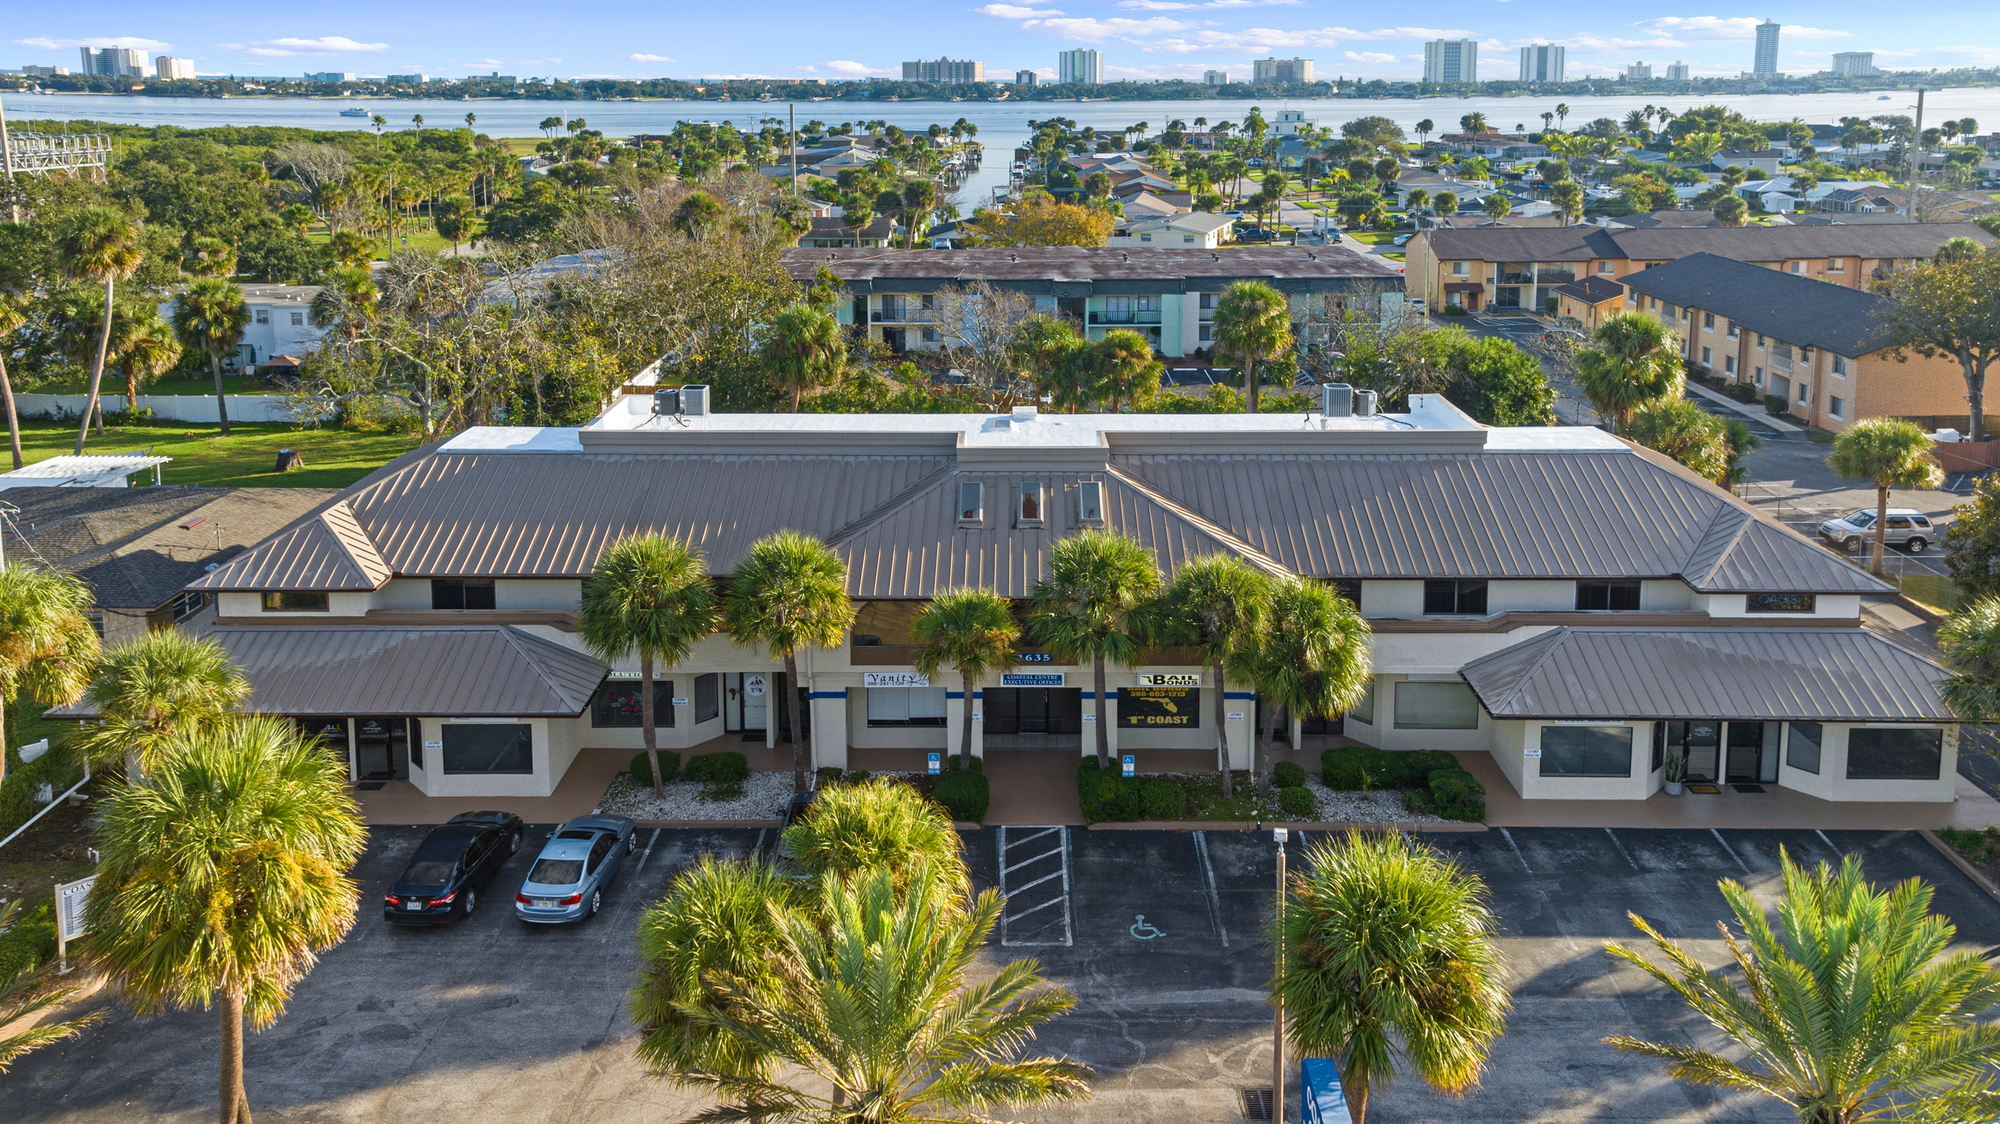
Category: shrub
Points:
column 1356, row 767
column 858, row 776
column 1162, row 799
column 1775, row 405
column 1346, row 768
column 1457, row 795
column 1743, row 391
column 1288, row 774
column 1104, row 794
column 1296, row 802
column 718, row 768
column 978, row 763
column 964, row 794
column 1411, row 768
column 642, row 769
column 828, row 774
column 30, row 943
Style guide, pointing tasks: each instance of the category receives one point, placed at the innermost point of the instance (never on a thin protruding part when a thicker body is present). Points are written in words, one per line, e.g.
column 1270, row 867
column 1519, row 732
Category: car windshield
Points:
column 556, row 872
column 1862, row 519
column 427, row 872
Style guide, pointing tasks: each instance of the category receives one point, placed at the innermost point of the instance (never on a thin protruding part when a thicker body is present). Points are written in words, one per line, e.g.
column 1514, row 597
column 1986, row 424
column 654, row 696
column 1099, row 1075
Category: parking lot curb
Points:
column 1919, row 608
column 709, row 823
column 1252, row 825
column 1958, row 860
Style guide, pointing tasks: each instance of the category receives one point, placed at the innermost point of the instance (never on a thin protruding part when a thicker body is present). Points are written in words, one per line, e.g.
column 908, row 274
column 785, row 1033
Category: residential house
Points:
column 1665, row 619
column 281, row 323
column 834, row 231
column 1820, row 347
column 1166, row 294
column 1172, row 231
column 1520, row 266
column 1764, row 160
column 1146, row 205
column 1585, row 303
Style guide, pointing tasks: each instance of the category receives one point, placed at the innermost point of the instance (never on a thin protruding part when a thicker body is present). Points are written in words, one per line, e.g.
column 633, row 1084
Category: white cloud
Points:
column 292, row 46
column 734, row 77
column 1016, row 11
column 649, row 58
column 1092, row 30
column 133, row 42
column 847, row 66
column 1367, row 56
column 1717, row 27
column 1405, row 33
column 1177, row 6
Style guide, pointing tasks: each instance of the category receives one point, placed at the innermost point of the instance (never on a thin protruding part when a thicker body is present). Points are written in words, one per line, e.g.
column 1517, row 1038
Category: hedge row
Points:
column 1433, row 781
column 703, row 768
column 1106, row 795
column 965, row 793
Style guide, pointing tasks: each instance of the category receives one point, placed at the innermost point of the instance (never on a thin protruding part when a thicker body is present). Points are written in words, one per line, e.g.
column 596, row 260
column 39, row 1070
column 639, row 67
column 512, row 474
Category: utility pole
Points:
column 1277, row 997
column 1912, row 162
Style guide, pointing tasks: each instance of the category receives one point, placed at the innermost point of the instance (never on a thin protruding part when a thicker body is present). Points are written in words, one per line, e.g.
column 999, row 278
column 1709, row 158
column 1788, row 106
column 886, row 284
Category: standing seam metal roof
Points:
column 472, row 671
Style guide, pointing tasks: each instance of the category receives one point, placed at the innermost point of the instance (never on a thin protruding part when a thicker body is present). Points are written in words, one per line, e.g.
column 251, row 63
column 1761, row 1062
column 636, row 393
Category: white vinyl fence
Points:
column 178, row 407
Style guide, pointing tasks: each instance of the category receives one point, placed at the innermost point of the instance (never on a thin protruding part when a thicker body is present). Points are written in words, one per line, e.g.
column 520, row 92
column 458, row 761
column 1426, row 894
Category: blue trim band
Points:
column 1239, row 695
column 827, row 695
column 954, row 694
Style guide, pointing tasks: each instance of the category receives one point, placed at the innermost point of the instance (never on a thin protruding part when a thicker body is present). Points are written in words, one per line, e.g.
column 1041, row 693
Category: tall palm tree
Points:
column 27, row 990
column 380, row 122
column 1388, row 961
column 1253, row 322
column 17, row 287
column 1088, row 608
column 224, row 877
column 1311, row 659
column 805, row 350
column 1562, row 113
column 789, row 591
column 880, row 824
column 1127, row 372
column 1853, row 1010
column 210, row 257
column 146, row 348
column 920, row 198
column 649, row 595
column 164, row 687
column 101, row 245
column 974, row 631
column 873, row 1003
column 1889, row 453
column 1040, row 343
column 47, row 647
column 210, row 317
column 1634, row 358
column 1216, row 604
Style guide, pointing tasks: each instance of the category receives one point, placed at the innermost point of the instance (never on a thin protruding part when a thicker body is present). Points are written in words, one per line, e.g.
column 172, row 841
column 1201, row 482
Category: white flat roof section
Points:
column 87, row 471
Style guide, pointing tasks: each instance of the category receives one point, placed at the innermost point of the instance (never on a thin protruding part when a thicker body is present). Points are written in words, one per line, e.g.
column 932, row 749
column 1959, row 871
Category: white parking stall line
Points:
column 1517, row 850
column 649, row 853
column 1208, row 884
column 1621, row 849
column 1731, row 850
column 1022, row 848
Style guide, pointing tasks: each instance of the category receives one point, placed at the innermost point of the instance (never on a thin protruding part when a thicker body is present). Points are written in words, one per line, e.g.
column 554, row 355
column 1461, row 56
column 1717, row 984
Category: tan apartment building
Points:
column 1505, row 267
column 1820, row 347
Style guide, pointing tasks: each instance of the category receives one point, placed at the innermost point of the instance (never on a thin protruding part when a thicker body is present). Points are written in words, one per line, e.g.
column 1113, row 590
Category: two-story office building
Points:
column 1505, row 267
column 1168, row 295
column 1575, row 606
column 1818, row 347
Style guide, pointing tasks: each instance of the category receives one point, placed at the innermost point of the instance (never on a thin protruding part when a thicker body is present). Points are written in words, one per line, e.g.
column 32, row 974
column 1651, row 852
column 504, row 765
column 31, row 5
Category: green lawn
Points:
column 1374, row 237
column 334, row 458
column 112, row 389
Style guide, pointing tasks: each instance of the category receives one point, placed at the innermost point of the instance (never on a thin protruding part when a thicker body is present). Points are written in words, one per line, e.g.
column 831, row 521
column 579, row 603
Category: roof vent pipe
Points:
column 1336, row 400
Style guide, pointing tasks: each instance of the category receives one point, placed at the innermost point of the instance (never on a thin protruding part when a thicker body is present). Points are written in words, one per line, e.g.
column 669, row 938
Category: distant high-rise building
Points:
column 1215, row 78
column 330, row 76
column 167, row 68
column 1677, row 72
column 1080, row 65
column 1277, row 71
column 1542, row 62
column 1026, row 78
column 1639, row 72
column 113, row 62
column 946, row 71
column 1854, row 64
column 1451, row 61
column 409, row 79
column 45, row 71
column 1766, row 65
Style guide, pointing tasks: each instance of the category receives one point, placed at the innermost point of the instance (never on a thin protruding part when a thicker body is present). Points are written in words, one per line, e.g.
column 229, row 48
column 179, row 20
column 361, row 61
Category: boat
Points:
column 1884, row 97
column 355, row 111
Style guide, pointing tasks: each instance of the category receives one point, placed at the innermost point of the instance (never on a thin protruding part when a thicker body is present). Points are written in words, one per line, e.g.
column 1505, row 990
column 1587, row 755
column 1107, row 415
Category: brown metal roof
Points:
column 1835, row 675
column 1044, row 267
column 328, row 550
column 489, row 671
column 1745, row 243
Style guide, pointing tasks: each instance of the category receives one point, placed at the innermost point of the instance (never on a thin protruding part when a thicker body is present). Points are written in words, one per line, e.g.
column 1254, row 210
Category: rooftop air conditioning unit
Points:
column 694, row 400
column 667, row 401
column 1364, row 403
column 1336, row 400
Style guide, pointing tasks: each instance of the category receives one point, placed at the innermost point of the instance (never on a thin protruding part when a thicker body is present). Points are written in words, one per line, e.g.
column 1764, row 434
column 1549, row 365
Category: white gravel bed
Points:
column 764, row 797
column 1382, row 806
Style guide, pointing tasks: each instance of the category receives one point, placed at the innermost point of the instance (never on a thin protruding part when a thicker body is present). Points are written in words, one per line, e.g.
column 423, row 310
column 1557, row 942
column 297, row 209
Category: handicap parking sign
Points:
column 1130, row 763
column 936, row 763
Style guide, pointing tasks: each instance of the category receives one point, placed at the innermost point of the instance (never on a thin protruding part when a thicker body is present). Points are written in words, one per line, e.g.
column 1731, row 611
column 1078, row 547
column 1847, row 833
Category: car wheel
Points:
column 596, row 901
column 1915, row 545
column 514, row 843
column 1851, row 545
column 632, row 844
column 471, row 900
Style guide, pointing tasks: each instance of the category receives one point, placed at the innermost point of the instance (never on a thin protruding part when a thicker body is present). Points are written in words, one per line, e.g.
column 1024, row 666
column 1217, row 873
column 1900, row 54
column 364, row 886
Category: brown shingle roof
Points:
column 1746, row 243
column 1048, row 268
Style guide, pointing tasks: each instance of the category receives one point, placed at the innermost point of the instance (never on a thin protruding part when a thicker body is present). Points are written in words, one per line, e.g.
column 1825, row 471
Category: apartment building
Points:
column 167, row 68
column 1819, row 347
column 1167, row 294
column 942, row 70
column 1854, row 64
column 1277, row 71
column 1522, row 267
column 1080, row 64
column 1451, row 60
column 1542, row 62
column 113, row 62
column 1574, row 606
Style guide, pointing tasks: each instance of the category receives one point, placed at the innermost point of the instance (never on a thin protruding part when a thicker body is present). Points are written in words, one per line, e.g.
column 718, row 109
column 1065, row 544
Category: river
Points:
column 1001, row 124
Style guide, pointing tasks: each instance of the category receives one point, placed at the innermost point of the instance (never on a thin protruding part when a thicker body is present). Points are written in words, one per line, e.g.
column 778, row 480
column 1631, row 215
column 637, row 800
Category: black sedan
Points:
column 450, row 867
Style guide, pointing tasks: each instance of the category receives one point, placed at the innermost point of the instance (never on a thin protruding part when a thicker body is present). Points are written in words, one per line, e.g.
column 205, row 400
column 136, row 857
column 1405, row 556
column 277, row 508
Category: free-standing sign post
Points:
column 1277, row 1001
column 936, row 763
column 72, row 898
column 1129, row 762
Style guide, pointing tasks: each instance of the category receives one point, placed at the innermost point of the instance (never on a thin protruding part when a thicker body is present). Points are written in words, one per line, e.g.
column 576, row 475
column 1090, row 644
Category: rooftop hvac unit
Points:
column 1364, row 403
column 1336, row 400
column 694, row 400
column 667, row 401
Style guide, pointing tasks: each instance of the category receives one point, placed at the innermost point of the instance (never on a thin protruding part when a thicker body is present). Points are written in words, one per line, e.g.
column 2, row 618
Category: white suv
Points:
column 1852, row 532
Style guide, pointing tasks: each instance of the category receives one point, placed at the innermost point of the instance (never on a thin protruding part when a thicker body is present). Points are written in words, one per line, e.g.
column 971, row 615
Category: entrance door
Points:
column 756, row 703
column 1753, row 753
column 1033, row 717
column 1701, row 743
column 381, row 749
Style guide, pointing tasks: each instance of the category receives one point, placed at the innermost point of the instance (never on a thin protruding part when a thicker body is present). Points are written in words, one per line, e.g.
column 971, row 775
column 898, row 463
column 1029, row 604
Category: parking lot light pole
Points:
column 1277, row 997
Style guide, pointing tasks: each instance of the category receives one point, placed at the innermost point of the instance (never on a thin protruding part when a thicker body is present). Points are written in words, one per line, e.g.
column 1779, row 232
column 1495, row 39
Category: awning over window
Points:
column 1811, row 674
column 1464, row 287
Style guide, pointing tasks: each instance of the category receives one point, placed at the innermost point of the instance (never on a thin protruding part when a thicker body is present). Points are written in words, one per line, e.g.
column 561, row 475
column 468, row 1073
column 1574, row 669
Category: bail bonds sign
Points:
column 1150, row 707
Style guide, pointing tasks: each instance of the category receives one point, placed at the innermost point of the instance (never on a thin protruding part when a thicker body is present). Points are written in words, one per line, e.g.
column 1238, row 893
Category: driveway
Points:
column 1160, row 934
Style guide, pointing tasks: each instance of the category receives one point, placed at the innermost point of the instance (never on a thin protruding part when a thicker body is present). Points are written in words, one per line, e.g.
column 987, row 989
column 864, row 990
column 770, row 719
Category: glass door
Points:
column 1700, row 743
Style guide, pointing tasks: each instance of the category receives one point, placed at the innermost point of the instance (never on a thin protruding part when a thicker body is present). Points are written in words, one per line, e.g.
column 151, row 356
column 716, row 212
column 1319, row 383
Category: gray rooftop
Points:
column 1079, row 270
column 1785, row 306
column 475, row 671
column 1834, row 675
column 1743, row 243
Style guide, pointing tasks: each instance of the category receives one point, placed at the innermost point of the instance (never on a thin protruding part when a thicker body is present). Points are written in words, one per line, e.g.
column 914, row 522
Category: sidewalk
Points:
column 1758, row 413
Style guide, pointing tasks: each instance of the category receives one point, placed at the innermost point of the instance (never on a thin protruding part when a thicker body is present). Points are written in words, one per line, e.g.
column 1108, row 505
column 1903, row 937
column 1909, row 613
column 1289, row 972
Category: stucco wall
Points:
column 432, row 780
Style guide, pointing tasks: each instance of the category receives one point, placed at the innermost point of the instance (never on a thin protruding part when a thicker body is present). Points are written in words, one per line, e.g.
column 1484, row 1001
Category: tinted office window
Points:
column 1802, row 748
column 461, row 593
column 1464, row 596
column 1586, row 751
column 619, row 703
column 1424, row 705
column 489, row 747
column 1349, row 588
column 295, row 601
column 1622, row 596
column 707, row 696
column 1894, row 755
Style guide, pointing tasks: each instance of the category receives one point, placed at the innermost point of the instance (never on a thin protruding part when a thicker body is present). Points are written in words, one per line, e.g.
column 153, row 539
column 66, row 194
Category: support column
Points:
column 1241, row 732
column 1111, row 717
column 829, row 727
column 978, row 710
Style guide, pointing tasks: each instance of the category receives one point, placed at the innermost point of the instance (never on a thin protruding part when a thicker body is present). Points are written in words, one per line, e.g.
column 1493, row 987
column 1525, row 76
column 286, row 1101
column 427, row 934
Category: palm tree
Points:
column 469, row 119
column 920, row 198
column 717, row 922
column 165, row 687
column 1388, row 960
column 1854, row 1011
column 805, row 350
column 879, row 824
column 1310, row 660
column 146, row 348
column 417, row 120
column 1040, row 343
column 974, row 631
column 1496, row 205
column 47, row 647
column 1562, row 114
column 649, row 595
column 224, row 878
column 1126, row 369
column 210, row 317
column 695, row 213
column 1424, row 128
column 210, row 257
column 789, row 592
column 380, row 122
column 1633, row 359
column 1215, row 604
column 1970, row 640
column 99, row 245
column 1088, row 606
column 872, row 1002
column 1253, row 322
column 1890, row 453
column 17, row 288
column 26, row 991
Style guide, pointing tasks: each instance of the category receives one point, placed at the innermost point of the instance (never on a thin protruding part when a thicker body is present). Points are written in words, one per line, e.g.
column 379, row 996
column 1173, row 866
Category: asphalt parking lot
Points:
column 1159, row 933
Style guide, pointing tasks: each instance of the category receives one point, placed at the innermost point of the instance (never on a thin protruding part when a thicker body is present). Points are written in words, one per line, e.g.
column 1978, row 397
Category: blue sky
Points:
column 1139, row 38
